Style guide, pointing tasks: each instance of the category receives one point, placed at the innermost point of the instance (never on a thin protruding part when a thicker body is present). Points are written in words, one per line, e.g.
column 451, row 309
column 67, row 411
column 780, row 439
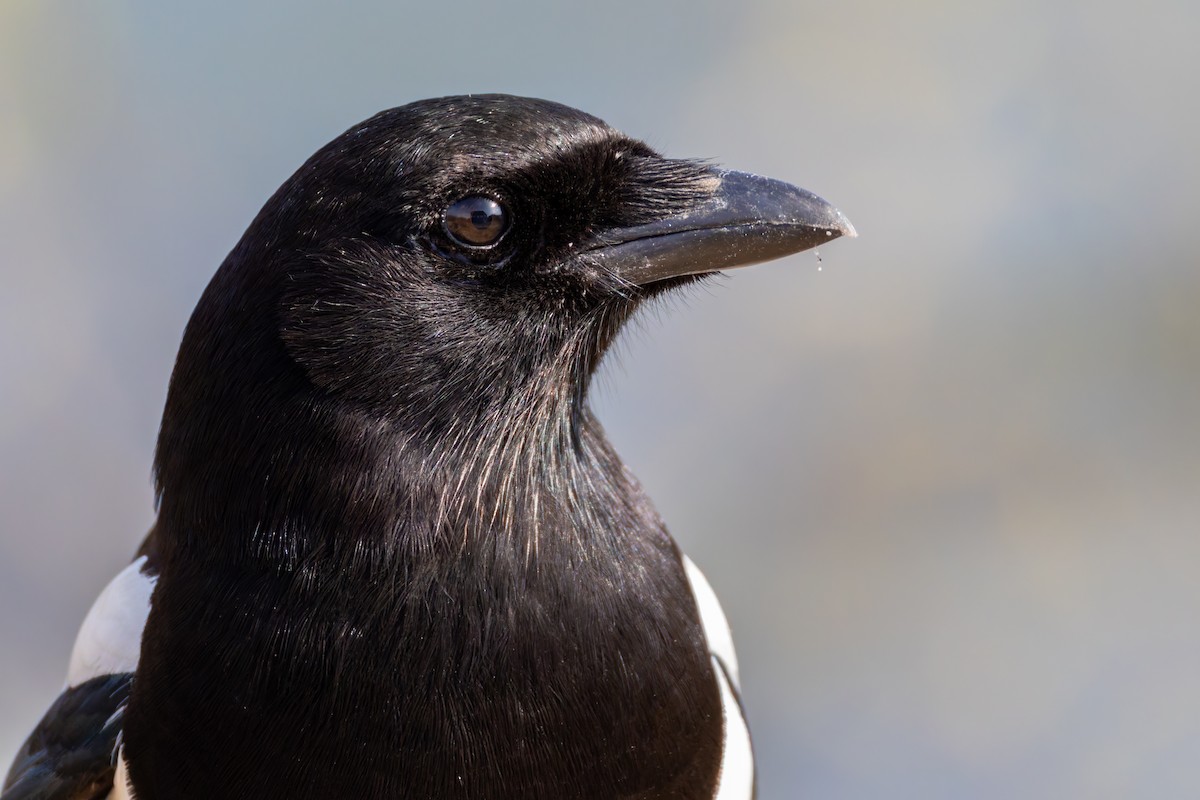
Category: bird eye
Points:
column 475, row 221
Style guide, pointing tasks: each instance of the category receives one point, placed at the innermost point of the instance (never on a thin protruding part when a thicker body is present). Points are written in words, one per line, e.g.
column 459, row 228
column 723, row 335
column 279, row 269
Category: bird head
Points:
column 461, row 264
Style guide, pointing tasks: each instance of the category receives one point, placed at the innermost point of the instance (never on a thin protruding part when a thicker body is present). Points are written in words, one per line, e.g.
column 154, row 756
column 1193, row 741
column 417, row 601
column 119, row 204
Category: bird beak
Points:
column 748, row 220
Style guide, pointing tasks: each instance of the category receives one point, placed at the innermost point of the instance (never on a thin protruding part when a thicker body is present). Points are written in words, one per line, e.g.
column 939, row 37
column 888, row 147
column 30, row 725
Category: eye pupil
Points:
column 475, row 221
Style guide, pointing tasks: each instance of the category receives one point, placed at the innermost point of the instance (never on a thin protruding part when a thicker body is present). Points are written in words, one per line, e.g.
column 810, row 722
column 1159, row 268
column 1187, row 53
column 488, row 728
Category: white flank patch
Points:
column 712, row 619
column 110, row 640
column 736, row 780
column 121, row 790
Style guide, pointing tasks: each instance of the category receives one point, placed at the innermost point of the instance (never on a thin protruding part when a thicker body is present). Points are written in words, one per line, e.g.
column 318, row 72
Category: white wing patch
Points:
column 736, row 779
column 110, row 640
column 712, row 619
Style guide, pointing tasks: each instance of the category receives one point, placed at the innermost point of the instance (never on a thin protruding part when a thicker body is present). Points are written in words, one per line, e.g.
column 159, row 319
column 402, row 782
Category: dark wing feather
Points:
column 71, row 753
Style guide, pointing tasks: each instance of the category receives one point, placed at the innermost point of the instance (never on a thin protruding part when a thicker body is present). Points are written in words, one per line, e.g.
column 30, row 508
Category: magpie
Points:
column 395, row 555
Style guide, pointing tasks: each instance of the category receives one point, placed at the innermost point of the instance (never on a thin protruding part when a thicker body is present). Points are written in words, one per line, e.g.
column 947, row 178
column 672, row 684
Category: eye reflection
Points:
column 475, row 221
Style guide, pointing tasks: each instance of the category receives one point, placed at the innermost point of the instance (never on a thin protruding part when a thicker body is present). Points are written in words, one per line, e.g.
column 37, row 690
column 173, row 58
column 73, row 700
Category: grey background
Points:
column 946, row 484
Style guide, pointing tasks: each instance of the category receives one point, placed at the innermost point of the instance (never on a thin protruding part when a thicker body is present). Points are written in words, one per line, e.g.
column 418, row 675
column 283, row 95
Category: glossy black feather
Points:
column 399, row 558
column 71, row 753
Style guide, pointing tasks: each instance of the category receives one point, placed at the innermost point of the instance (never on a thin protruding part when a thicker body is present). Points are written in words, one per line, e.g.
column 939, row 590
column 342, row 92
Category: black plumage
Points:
column 396, row 556
column 72, row 754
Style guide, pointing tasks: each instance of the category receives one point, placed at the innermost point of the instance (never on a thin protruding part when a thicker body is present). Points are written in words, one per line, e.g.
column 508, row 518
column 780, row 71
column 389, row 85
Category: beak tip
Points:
column 845, row 227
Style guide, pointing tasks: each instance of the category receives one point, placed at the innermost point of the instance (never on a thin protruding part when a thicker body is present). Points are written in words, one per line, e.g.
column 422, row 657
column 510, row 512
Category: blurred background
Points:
column 946, row 480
